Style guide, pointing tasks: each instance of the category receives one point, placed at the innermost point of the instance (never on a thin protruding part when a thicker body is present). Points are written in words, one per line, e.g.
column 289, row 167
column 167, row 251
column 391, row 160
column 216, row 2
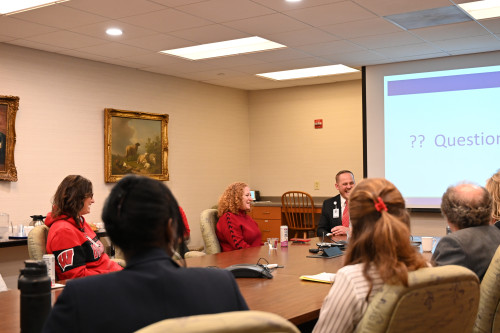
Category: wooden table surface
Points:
column 286, row 295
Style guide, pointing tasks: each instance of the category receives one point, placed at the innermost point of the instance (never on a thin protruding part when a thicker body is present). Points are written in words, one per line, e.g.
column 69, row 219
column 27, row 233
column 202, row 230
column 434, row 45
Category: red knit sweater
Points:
column 237, row 231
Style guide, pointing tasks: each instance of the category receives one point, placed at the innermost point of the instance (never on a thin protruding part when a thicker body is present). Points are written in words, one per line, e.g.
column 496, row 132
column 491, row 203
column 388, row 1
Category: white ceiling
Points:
column 317, row 33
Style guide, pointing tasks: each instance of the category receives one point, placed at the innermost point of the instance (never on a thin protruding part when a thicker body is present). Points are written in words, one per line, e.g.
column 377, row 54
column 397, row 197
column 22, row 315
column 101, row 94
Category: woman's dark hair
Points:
column 70, row 195
column 137, row 213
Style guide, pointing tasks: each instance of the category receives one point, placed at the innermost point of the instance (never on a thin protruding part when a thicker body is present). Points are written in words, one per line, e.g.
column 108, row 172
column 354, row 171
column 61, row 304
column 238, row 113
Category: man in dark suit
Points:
column 142, row 217
column 335, row 212
column 473, row 241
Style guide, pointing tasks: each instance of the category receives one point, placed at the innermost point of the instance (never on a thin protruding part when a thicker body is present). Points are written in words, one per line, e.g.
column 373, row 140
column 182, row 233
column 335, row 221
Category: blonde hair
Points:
column 231, row 200
column 381, row 232
column 493, row 186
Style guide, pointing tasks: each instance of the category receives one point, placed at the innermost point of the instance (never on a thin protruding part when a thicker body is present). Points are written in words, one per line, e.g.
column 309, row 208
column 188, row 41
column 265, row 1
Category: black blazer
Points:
column 151, row 288
column 327, row 221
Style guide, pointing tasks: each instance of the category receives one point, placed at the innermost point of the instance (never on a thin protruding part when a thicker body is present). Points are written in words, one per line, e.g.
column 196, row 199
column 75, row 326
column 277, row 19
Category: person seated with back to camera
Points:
column 493, row 186
column 473, row 241
column 77, row 250
column 379, row 252
column 142, row 217
column 236, row 229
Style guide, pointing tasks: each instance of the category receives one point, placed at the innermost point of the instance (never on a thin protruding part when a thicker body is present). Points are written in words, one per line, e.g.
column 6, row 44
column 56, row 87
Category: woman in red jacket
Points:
column 235, row 228
column 77, row 249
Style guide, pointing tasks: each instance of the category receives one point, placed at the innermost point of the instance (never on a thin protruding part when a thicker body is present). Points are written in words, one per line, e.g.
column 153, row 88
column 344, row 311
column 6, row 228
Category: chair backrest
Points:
column 298, row 208
column 438, row 299
column 37, row 242
column 227, row 322
column 488, row 316
column 208, row 220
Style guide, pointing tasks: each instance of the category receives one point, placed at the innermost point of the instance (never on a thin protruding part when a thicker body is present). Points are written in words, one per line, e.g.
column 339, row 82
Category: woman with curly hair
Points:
column 77, row 249
column 235, row 228
column 493, row 186
column 379, row 252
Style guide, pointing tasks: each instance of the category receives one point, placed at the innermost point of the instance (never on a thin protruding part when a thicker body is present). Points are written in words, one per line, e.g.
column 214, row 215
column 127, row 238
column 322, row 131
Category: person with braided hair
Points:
column 473, row 240
column 493, row 186
column 379, row 251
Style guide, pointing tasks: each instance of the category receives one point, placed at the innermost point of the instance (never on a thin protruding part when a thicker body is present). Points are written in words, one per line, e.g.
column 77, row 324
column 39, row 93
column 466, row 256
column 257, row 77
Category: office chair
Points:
column 227, row 322
column 37, row 242
column 439, row 299
column 208, row 220
column 298, row 208
column 488, row 315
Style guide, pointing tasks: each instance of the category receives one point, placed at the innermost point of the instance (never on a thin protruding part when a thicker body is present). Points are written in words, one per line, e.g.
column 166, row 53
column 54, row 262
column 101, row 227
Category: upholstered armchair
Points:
column 228, row 322
column 208, row 220
column 37, row 242
column 438, row 299
column 488, row 316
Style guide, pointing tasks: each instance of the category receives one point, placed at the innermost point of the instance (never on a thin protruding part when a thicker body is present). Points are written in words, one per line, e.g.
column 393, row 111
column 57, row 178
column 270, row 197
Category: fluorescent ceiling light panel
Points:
column 227, row 48
column 16, row 6
column 482, row 9
column 428, row 18
column 309, row 72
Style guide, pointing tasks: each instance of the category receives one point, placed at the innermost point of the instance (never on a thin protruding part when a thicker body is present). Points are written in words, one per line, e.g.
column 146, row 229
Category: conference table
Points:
column 285, row 294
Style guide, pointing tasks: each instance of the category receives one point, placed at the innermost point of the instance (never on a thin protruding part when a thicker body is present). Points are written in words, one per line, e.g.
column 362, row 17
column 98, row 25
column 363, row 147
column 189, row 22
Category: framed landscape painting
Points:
column 8, row 110
column 135, row 142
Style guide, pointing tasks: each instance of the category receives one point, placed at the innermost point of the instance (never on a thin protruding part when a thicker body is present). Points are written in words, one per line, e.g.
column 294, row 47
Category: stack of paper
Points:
column 321, row 277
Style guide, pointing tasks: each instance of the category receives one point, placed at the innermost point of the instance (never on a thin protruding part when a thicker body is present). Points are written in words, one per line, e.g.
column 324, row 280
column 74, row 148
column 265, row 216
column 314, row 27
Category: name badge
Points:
column 336, row 213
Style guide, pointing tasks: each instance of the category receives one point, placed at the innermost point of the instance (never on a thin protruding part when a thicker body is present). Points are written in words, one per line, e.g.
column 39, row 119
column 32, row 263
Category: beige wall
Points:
column 288, row 153
column 60, row 130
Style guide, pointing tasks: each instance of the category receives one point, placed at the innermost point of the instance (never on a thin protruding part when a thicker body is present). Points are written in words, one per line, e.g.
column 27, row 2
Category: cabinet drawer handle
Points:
column 267, row 212
column 266, row 230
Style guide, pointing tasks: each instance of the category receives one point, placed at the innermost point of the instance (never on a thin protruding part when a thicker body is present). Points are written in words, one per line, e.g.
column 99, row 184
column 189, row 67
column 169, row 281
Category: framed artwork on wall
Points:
column 135, row 142
column 8, row 110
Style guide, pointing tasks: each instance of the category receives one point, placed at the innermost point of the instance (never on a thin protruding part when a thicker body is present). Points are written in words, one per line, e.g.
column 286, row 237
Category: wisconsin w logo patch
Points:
column 65, row 259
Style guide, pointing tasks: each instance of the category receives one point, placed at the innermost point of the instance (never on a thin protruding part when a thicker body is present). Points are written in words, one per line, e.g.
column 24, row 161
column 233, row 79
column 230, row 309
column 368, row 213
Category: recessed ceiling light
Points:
column 309, row 72
column 482, row 9
column 293, row 0
column 114, row 32
column 226, row 48
column 17, row 6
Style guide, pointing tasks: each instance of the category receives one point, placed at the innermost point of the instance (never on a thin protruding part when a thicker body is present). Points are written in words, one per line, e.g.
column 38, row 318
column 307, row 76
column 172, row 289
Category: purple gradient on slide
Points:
column 444, row 83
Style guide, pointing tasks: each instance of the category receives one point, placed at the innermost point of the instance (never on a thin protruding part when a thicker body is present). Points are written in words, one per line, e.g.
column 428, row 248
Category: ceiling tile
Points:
column 66, row 39
column 209, row 34
column 389, row 7
column 35, row 45
column 10, row 26
column 284, row 6
column 278, row 55
column 166, row 20
column 158, row 42
column 492, row 24
column 356, row 59
column 114, row 8
column 387, row 40
column 370, row 27
column 408, row 50
column 451, row 31
column 301, row 37
column 481, row 42
column 59, row 16
column 226, row 10
column 99, row 30
column 338, row 12
column 268, row 24
column 330, row 48
column 113, row 50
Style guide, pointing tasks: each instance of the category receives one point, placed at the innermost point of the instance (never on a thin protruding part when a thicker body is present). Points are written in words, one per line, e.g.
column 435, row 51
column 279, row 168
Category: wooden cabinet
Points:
column 268, row 219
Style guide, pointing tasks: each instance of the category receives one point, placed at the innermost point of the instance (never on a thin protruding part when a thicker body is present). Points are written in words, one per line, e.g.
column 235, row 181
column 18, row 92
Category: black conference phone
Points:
column 250, row 271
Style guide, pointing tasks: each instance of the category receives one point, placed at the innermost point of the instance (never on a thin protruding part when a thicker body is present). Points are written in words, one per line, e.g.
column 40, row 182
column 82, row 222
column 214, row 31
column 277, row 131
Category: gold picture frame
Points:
column 135, row 142
column 8, row 110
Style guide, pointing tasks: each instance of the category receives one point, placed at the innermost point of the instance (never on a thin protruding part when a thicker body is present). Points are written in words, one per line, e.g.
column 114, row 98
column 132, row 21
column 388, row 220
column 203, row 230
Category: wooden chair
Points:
column 438, row 299
column 228, row 322
column 298, row 208
column 488, row 316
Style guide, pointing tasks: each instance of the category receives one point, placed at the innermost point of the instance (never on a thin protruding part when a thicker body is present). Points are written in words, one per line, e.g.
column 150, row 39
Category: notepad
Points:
column 321, row 277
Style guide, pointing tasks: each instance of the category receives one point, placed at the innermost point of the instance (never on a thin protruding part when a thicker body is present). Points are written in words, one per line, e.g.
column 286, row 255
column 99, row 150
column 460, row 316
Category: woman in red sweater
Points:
column 235, row 228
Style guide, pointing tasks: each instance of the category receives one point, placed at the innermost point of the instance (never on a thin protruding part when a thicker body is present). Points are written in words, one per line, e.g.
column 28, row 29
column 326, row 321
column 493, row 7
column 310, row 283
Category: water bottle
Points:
column 34, row 284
